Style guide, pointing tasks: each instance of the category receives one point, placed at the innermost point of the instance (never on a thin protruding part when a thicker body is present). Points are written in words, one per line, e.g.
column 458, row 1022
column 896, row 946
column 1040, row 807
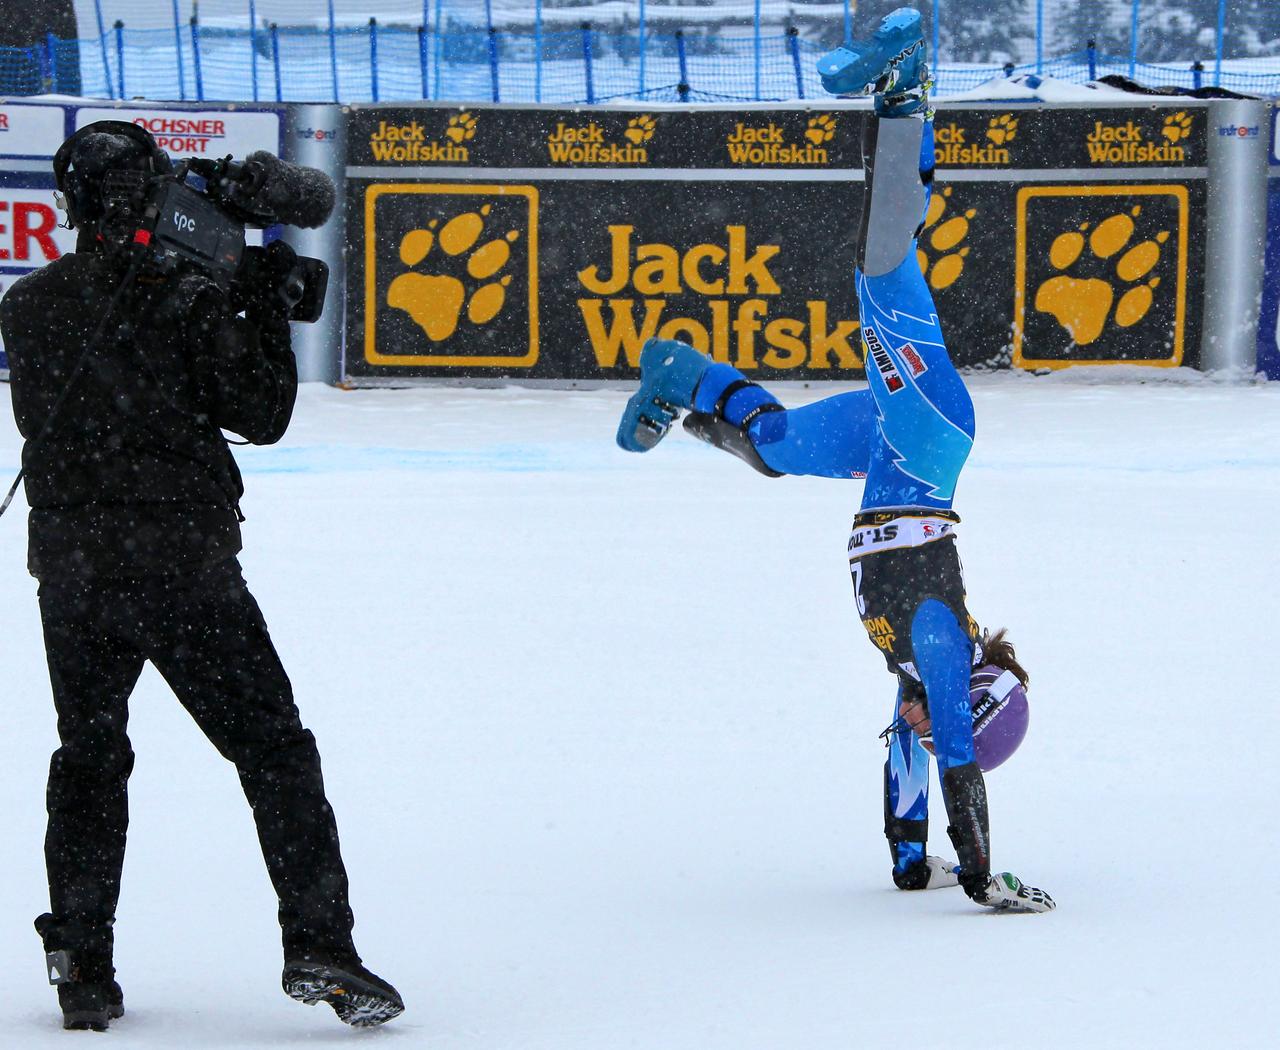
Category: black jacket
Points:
column 135, row 478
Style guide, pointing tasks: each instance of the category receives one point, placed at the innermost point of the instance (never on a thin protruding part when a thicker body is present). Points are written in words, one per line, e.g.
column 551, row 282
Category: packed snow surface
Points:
column 600, row 732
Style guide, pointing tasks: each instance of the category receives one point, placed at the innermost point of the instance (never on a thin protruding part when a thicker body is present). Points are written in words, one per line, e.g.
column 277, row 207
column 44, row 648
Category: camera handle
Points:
column 51, row 421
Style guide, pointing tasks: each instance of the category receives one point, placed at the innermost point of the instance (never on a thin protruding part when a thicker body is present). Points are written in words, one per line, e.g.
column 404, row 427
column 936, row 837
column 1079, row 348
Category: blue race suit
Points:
column 909, row 434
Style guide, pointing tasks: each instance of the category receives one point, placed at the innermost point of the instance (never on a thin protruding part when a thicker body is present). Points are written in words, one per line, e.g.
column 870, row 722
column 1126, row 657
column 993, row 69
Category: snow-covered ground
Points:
column 600, row 731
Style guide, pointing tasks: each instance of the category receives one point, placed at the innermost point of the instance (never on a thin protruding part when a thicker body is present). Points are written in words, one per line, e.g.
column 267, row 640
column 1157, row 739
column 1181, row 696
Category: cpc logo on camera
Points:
column 451, row 275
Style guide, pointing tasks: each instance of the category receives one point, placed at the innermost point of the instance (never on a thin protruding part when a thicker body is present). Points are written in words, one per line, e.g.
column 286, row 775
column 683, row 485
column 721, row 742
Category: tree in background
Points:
column 1071, row 27
column 1168, row 30
column 990, row 32
column 27, row 23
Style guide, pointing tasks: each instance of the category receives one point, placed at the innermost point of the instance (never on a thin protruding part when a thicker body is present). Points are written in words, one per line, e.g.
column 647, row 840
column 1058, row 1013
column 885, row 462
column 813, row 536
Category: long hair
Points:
column 998, row 650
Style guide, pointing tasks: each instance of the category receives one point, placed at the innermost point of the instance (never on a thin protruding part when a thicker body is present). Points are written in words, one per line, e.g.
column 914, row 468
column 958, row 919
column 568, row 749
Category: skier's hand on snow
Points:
column 931, row 873
column 1006, row 892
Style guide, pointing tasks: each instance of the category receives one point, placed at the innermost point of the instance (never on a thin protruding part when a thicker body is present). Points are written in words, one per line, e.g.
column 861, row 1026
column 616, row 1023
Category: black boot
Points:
column 79, row 965
column 358, row 996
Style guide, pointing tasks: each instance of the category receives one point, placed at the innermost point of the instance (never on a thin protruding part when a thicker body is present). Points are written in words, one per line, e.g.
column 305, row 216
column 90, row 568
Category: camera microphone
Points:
column 263, row 189
column 295, row 195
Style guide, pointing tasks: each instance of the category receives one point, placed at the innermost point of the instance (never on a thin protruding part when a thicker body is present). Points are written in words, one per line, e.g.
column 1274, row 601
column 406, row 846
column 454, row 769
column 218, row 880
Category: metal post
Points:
column 643, row 32
column 1039, row 36
column 1235, row 229
column 1091, row 53
column 119, row 27
column 195, row 54
column 333, row 52
column 537, row 49
column 586, row 63
column 793, row 45
column 493, row 63
column 1219, row 41
column 1133, row 39
column 275, row 59
column 435, row 93
column 177, row 43
column 683, row 56
column 756, row 49
column 316, row 135
column 373, row 57
column 848, row 22
column 48, row 63
column 493, row 46
column 102, row 44
column 253, row 46
column 1197, row 74
column 422, row 58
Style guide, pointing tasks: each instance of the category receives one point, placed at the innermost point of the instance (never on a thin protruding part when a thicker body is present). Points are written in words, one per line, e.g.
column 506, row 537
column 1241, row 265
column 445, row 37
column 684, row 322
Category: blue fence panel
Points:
column 20, row 71
column 460, row 60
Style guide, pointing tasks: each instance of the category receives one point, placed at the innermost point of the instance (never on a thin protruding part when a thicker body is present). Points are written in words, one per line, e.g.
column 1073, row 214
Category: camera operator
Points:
column 133, row 535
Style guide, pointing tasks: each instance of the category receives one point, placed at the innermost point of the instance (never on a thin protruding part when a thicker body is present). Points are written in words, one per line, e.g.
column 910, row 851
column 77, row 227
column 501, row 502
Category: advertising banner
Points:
column 31, row 233
column 197, row 133
column 550, row 244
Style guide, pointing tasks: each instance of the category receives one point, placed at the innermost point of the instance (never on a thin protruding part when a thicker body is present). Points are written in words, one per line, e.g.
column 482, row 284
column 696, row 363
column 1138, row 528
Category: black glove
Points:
column 270, row 283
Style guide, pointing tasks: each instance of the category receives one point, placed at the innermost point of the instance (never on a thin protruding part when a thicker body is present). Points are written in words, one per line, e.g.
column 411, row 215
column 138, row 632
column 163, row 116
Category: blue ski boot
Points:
column 669, row 374
column 891, row 66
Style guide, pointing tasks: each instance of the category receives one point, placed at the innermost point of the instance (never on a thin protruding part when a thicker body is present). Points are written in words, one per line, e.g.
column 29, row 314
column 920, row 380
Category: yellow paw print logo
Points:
column 640, row 129
column 1083, row 306
column 944, row 238
column 822, row 128
column 1002, row 129
column 1177, row 127
column 462, row 127
column 436, row 301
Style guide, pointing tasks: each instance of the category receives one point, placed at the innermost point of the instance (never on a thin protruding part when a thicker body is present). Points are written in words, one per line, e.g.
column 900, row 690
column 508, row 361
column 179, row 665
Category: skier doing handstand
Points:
column 909, row 435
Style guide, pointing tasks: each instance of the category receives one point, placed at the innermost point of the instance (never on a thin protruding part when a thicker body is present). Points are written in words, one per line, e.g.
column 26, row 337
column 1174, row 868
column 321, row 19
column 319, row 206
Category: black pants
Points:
column 205, row 634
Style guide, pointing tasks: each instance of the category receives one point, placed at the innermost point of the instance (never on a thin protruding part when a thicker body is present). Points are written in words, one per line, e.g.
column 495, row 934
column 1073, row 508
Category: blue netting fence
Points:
column 376, row 62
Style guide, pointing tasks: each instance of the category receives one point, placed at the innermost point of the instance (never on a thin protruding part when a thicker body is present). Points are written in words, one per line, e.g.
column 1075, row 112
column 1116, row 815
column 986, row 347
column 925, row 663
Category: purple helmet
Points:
column 1000, row 714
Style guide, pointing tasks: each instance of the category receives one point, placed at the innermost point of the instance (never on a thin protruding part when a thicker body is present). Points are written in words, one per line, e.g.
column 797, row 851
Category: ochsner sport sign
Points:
column 198, row 133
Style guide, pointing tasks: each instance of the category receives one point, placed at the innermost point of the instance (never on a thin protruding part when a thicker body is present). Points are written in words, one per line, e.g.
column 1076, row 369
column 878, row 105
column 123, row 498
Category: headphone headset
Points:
column 78, row 195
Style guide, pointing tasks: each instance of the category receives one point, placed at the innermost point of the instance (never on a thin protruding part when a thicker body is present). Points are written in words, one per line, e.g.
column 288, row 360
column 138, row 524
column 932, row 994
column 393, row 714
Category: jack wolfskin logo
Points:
column 451, row 275
column 599, row 141
column 1101, row 274
column 767, row 145
column 822, row 128
column 640, row 129
column 411, row 143
column 1002, row 129
column 1177, row 127
column 435, row 300
column 461, row 128
column 941, row 250
column 1131, row 142
column 1083, row 305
